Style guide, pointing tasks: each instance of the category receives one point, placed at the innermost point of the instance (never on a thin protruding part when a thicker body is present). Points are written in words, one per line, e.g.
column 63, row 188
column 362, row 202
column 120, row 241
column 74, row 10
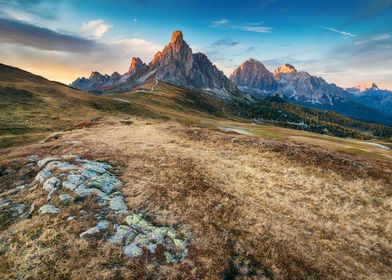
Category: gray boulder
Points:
column 65, row 198
column 48, row 209
column 123, row 234
column 117, row 204
column 101, row 226
column 43, row 175
column 51, row 184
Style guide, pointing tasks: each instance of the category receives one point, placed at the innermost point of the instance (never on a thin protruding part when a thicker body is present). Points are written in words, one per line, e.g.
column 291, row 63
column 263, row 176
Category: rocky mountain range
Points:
column 178, row 65
column 305, row 89
column 300, row 86
column 175, row 64
column 371, row 95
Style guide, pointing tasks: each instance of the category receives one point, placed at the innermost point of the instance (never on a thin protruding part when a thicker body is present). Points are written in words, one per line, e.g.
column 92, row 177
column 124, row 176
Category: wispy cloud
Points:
column 225, row 43
column 220, row 22
column 382, row 37
column 341, row 32
column 257, row 27
column 96, row 27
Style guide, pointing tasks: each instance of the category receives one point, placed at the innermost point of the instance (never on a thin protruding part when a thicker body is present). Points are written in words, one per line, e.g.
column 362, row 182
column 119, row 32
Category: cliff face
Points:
column 253, row 77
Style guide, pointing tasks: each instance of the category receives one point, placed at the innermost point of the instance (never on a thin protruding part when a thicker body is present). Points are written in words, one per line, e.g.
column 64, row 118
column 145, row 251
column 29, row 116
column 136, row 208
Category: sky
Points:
column 344, row 41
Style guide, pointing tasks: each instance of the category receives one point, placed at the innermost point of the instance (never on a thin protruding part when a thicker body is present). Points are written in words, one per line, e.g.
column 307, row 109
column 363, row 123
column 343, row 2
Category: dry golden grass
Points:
column 249, row 212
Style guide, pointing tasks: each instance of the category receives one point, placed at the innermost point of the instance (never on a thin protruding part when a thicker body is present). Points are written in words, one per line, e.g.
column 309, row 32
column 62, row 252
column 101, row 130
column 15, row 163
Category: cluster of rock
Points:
column 175, row 64
column 69, row 177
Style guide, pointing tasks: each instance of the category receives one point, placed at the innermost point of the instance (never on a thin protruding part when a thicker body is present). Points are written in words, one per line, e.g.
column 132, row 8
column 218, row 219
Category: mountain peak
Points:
column 285, row 69
column 252, row 76
column 367, row 85
column 251, row 63
column 136, row 64
column 177, row 37
column 95, row 74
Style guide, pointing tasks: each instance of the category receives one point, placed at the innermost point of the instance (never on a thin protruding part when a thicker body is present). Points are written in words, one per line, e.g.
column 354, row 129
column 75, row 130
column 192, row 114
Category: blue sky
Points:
column 346, row 42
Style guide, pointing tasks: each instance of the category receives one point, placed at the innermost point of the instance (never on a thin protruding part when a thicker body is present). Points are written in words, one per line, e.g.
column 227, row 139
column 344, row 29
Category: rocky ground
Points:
column 158, row 200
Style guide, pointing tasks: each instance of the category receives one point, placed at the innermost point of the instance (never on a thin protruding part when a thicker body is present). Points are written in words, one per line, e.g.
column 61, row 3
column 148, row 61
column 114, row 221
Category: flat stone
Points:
column 141, row 239
column 62, row 166
column 123, row 234
column 88, row 174
column 69, row 186
column 52, row 193
column 132, row 250
column 136, row 221
column 104, row 224
column 18, row 210
column 152, row 247
column 82, row 191
column 105, row 182
column 43, row 175
column 44, row 161
column 97, row 167
column 48, row 209
column 91, row 231
column 65, row 198
column 51, row 184
column 158, row 234
column 75, row 179
column 118, row 204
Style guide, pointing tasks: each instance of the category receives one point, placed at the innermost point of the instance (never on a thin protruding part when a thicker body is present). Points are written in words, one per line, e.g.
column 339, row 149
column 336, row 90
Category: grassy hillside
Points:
column 32, row 107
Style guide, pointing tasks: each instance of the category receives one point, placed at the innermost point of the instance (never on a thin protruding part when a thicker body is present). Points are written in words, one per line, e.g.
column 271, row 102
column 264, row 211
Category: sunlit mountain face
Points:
column 345, row 42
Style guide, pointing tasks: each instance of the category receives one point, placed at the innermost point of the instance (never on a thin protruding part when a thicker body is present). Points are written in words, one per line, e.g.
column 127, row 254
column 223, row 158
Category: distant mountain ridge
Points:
column 371, row 95
column 302, row 88
column 176, row 64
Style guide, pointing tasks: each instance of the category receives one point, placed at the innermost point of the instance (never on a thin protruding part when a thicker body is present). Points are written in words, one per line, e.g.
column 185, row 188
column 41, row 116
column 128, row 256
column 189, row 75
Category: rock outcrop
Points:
column 75, row 179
